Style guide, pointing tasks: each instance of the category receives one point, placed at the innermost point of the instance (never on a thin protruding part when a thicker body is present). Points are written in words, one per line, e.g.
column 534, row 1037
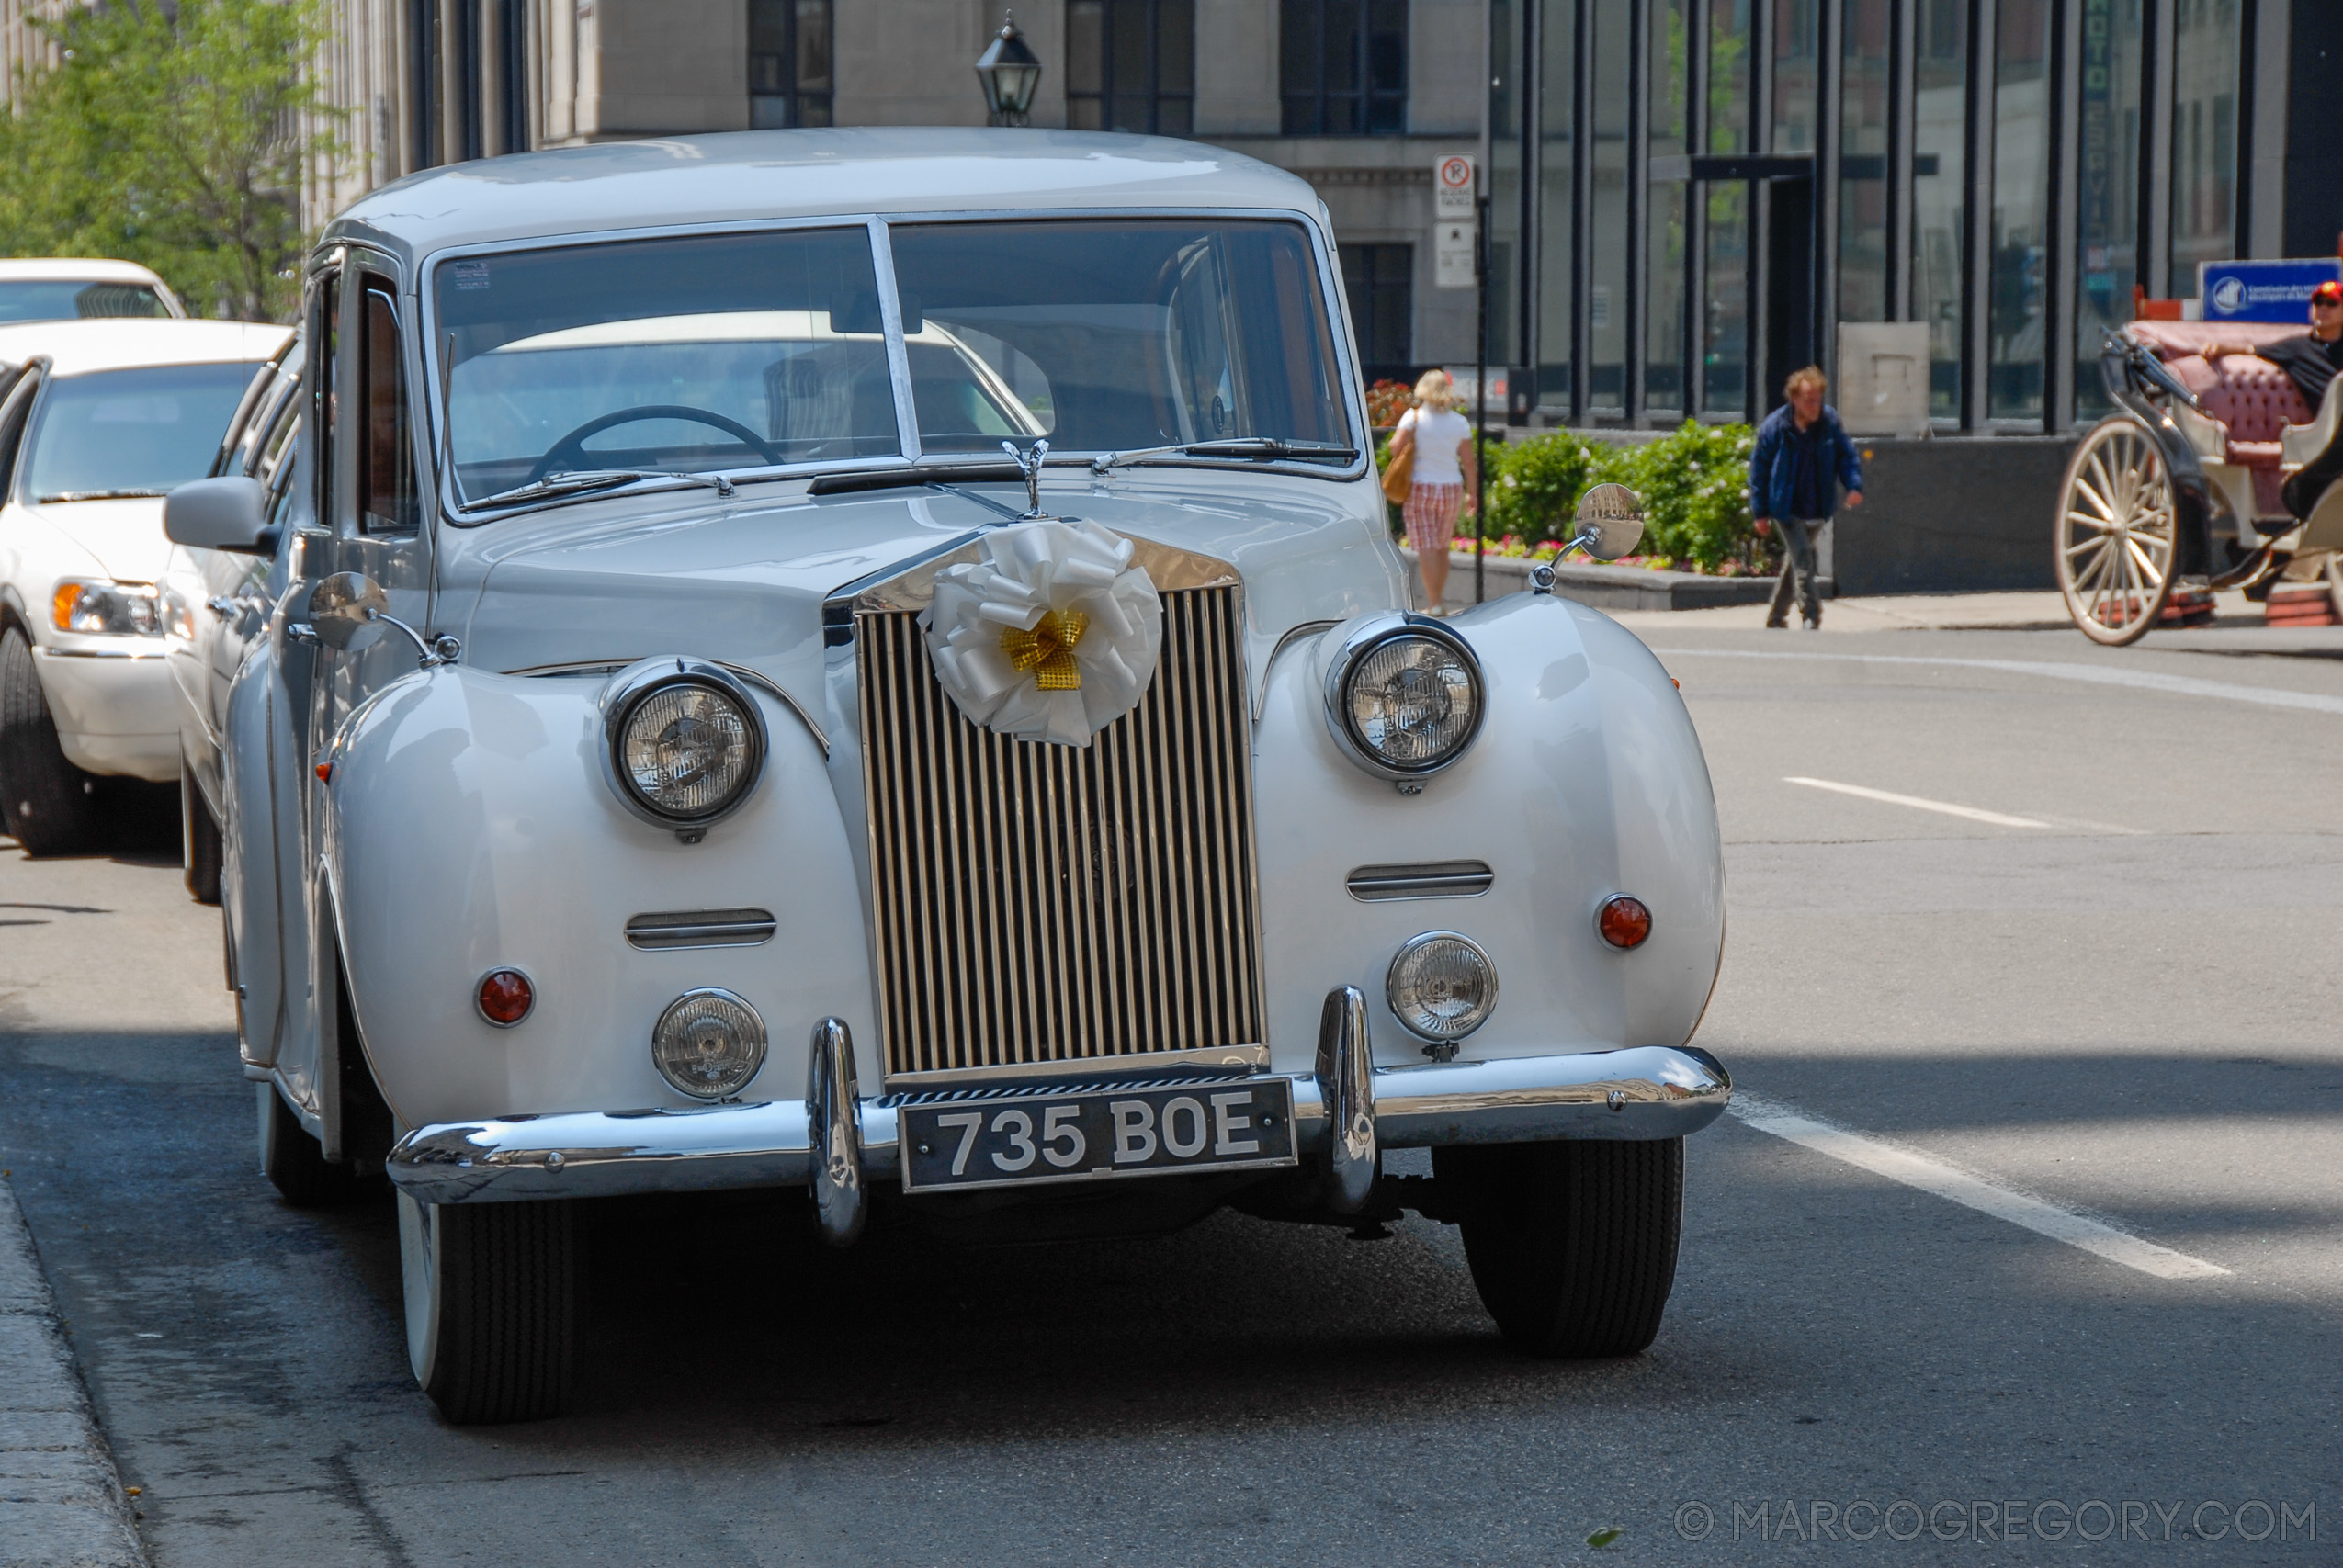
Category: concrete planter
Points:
column 1603, row 587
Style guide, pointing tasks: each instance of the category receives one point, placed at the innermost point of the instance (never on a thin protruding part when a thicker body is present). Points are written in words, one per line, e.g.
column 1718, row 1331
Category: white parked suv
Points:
column 66, row 288
column 98, row 419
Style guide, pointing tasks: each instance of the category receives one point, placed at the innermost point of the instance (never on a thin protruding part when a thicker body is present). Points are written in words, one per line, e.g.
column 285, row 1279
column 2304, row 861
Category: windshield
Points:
column 718, row 351
column 62, row 299
column 135, row 431
column 1117, row 334
column 725, row 351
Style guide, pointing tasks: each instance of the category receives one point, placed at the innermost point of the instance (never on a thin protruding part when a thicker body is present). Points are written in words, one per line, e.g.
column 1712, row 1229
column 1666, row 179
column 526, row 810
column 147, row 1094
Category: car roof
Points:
column 75, row 348
column 741, row 177
column 74, row 269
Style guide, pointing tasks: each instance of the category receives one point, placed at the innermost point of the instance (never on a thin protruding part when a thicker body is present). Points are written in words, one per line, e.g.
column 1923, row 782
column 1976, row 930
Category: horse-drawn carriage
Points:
column 2178, row 487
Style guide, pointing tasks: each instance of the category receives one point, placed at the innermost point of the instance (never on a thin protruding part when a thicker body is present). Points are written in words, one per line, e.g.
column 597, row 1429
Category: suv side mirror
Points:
column 221, row 514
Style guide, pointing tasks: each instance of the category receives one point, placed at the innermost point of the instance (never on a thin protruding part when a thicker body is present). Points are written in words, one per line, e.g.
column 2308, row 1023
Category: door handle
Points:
column 221, row 605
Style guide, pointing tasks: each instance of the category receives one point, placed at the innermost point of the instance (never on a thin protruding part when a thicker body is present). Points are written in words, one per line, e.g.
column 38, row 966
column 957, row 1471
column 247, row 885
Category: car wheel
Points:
column 1572, row 1245
column 492, row 1303
column 200, row 841
column 294, row 1162
column 45, row 799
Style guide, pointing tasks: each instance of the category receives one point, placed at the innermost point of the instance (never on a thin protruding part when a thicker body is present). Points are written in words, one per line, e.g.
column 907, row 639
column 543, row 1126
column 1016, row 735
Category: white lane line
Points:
column 1946, row 807
column 1946, row 1181
column 2146, row 680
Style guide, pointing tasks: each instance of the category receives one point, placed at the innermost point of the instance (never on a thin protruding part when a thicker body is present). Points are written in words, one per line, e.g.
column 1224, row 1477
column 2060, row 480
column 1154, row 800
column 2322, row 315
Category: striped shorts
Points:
column 1431, row 514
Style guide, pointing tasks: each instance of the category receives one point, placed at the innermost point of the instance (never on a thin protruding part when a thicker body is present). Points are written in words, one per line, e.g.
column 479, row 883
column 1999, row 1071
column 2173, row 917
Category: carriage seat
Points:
column 2250, row 401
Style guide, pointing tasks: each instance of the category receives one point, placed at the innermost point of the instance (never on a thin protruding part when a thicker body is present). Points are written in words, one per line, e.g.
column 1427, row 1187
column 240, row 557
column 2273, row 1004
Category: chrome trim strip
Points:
column 671, row 929
column 100, row 652
column 833, row 1134
column 1209, row 1060
column 1420, row 879
column 1663, row 1092
column 1346, row 1087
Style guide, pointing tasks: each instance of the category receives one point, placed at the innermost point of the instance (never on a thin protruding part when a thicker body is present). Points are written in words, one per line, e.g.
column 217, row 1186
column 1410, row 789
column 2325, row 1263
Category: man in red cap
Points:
column 2312, row 360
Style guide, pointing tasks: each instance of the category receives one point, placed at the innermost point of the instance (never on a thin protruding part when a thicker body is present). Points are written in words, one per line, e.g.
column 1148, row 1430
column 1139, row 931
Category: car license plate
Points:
column 1029, row 1138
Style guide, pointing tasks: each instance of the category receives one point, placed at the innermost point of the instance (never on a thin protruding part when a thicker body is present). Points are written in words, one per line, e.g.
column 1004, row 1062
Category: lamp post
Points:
column 1009, row 72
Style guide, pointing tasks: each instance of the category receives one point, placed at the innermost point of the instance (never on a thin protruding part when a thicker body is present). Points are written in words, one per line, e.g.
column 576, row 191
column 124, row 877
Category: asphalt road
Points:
column 2127, row 1013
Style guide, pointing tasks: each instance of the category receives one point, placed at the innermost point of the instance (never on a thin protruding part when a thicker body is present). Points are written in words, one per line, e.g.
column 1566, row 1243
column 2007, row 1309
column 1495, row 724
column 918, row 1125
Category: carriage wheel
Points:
column 2116, row 528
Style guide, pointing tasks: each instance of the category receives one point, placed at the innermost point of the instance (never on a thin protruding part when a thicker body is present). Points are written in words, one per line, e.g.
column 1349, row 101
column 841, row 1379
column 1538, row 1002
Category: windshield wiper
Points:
column 578, row 481
column 98, row 495
column 1235, row 446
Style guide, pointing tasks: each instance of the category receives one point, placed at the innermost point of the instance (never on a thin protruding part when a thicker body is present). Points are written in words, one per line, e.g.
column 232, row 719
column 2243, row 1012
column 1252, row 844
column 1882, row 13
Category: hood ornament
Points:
column 1028, row 461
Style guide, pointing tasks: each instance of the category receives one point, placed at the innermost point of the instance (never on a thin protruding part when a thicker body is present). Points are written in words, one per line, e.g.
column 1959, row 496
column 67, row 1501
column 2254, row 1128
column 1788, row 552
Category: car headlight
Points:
column 1442, row 988
column 708, row 1043
column 684, row 742
column 114, row 609
column 1404, row 696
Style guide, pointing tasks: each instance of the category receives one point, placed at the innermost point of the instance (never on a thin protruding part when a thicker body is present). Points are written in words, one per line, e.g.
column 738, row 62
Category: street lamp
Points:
column 1009, row 72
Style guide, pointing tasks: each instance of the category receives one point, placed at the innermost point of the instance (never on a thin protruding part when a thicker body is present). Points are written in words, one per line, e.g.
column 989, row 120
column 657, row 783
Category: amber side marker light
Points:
column 1624, row 920
column 505, row 997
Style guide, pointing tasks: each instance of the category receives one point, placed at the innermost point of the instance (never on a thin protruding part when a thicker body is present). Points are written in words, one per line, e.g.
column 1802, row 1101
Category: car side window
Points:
column 325, row 333
column 387, row 500
column 13, row 410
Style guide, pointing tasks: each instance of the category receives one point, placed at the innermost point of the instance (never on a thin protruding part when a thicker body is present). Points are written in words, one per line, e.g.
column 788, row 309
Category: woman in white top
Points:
column 1446, row 473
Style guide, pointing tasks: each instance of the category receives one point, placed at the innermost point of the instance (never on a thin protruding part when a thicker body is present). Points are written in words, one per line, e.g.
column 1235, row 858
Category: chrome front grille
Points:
column 1038, row 905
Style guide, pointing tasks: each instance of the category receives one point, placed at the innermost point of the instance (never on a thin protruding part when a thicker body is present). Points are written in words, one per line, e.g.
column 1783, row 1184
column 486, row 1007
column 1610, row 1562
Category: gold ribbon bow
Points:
column 1049, row 649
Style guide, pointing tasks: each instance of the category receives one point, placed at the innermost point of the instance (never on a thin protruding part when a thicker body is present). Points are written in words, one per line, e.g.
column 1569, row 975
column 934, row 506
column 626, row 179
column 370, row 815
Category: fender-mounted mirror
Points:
column 1610, row 522
column 344, row 605
column 220, row 514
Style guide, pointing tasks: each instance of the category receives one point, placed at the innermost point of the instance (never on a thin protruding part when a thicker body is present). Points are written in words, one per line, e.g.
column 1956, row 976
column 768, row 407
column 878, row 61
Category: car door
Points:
column 266, row 726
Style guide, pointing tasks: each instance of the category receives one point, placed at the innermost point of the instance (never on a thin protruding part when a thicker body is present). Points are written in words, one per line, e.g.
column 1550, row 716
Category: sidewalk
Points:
column 61, row 1505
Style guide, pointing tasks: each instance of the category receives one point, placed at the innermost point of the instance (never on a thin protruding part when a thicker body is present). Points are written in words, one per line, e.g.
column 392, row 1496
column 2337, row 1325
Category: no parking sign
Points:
column 1452, row 184
column 1452, row 233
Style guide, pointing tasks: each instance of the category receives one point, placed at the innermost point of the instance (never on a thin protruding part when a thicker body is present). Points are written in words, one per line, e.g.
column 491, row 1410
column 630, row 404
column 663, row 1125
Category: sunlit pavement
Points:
column 2127, row 1013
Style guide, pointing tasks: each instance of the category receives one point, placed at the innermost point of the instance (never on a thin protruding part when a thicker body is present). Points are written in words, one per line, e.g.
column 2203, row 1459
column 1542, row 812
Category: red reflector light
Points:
column 505, row 997
column 325, row 773
column 1623, row 922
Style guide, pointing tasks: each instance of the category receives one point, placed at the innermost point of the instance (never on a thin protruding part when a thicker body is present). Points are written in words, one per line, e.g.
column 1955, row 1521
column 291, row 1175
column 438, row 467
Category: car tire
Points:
column 44, row 799
column 492, row 1306
column 200, row 844
column 294, row 1162
column 1572, row 1245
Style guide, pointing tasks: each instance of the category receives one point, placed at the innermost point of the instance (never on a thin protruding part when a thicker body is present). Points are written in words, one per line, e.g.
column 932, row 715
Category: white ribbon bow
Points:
column 1052, row 637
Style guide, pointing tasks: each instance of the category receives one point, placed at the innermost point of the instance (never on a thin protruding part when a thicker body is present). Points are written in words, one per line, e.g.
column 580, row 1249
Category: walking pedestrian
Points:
column 1446, row 473
column 1802, row 456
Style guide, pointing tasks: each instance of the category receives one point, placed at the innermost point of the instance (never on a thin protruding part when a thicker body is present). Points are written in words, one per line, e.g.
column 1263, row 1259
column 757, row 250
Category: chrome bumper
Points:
column 1641, row 1093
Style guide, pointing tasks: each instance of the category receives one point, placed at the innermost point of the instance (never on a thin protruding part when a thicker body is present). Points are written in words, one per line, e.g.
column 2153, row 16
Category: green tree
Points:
column 178, row 137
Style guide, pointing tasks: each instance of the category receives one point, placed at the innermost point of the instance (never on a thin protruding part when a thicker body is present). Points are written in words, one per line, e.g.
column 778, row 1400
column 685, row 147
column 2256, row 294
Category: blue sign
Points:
column 2263, row 290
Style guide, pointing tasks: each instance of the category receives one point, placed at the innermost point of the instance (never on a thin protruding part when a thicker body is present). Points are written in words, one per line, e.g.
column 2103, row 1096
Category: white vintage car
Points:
column 98, row 419
column 871, row 662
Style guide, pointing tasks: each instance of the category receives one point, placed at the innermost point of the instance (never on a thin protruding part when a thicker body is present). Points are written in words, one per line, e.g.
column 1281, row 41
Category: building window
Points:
column 1131, row 65
column 1381, row 283
column 1343, row 65
column 789, row 75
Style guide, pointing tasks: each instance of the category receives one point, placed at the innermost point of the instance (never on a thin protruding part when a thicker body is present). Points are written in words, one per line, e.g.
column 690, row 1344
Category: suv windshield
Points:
column 720, row 351
column 1112, row 333
column 131, row 432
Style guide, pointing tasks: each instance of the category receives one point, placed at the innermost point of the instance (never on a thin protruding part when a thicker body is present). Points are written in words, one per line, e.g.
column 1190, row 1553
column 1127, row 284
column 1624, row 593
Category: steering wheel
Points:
column 570, row 451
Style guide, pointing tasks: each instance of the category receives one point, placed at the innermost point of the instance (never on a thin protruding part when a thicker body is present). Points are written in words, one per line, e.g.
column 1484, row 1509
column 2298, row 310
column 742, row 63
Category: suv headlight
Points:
column 114, row 609
column 684, row 742
column 1404, row 696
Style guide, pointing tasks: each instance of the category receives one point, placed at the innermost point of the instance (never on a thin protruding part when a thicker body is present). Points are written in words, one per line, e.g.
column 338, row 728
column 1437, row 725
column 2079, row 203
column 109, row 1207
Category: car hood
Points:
column 743, row 580
column 120, row 540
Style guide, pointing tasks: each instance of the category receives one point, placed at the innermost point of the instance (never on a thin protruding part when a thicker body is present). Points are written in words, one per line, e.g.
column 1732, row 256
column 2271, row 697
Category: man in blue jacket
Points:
column 1801, row 457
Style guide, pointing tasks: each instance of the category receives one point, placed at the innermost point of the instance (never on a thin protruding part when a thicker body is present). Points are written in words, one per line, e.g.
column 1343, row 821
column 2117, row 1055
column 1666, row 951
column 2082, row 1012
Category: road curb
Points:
column 62, row 1504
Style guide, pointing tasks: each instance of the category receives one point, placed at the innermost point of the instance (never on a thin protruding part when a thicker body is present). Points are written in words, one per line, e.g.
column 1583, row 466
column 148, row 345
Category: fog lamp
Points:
column 1441, row 986
column 505, row 996
column 708, row 1043
column 1624, row 920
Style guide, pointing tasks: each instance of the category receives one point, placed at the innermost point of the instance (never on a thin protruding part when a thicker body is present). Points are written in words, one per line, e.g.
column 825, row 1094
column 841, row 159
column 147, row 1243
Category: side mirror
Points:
column 343, row 607
column 220, row 514
column 1610, row 522
column 346, row 603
